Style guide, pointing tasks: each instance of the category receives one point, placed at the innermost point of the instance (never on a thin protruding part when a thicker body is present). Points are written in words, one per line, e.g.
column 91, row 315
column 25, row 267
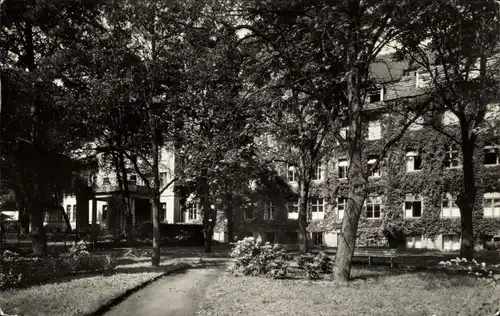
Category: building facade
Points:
column 411, row 195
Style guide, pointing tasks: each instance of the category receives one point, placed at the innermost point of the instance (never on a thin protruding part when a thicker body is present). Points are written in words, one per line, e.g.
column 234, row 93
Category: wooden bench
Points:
column 375, row 253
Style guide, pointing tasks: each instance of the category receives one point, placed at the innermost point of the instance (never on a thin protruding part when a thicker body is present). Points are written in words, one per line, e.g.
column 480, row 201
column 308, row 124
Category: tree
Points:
column 327, row 49
column 36, row 117
column 456, row 48
column 299, row 140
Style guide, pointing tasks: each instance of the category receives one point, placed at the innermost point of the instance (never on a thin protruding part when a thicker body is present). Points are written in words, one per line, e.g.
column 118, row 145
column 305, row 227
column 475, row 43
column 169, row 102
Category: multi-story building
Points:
column 411, row 195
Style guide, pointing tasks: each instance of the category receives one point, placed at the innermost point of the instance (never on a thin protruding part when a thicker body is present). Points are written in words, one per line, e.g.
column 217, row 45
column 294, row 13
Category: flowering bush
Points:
column 472, row 267
column 315, row 265
column 252, row 257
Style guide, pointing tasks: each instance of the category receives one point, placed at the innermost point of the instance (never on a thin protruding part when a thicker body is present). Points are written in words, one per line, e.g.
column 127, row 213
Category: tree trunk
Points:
column 357, row 181
column 229, row 216
column 302, row 216
column 38, row 234
column 155, row 204
column 466, row 200
column 208, row 213
column 66, row 219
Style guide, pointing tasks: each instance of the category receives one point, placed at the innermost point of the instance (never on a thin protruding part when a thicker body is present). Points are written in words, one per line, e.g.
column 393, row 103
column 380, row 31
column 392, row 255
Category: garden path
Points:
column 175, row 294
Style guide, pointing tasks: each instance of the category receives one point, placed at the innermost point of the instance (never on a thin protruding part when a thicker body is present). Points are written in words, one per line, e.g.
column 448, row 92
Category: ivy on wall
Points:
column 430, row 182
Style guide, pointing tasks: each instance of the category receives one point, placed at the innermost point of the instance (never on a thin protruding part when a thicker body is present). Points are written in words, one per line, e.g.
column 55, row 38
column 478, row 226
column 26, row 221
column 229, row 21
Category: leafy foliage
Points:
column 252, row 257
column 314, row 265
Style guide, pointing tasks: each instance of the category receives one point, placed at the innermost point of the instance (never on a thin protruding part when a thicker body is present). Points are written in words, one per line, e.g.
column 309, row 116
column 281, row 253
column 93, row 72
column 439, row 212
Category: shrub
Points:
column 252, row 257
column 17, row 270
column 472, row 267
column 315, row 265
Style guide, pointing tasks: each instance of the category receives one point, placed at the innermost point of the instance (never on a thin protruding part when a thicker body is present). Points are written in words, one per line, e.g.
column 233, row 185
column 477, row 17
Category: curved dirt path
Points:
column 177, row 294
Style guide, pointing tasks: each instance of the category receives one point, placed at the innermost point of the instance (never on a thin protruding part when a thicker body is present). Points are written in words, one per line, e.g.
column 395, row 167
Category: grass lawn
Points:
column 377, row 291
column 80, row 295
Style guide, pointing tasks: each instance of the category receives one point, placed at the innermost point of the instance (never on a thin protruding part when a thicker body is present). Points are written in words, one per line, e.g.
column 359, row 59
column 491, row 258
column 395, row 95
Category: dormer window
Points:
column 376, row 95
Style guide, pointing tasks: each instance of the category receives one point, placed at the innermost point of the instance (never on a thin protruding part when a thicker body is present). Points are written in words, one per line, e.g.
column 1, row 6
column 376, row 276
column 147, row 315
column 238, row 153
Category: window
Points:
column 449, row 208
column 249, row 214
column 292, row 237
column 413, row 161
column 104, row 212
column 374, row 130
column 342, row 168
column 132, row 180
column 373, row 206
column 292, row 174
column 74, row 213
column 317, row 238
column 492, row 154
column 449, row 118
column 270, row 237
column 105, row 181
column 193, row 212
column 317, row 173
column 376, row 172
column 341, row 206
column 317, row 209
column 413, row 206
column 376, row 95
column 293, row 209
column 451, row 242
column 491, row 204
column 451, row 158
column 269, row 210
column 68, row 211
column 163, row 177
column 163, row 211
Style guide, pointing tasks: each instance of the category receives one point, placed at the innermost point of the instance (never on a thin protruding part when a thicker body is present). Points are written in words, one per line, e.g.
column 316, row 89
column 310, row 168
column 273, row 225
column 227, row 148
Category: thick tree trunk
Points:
column 466, row 199
column 302, row 217
column 38, row 234
column 357, row 180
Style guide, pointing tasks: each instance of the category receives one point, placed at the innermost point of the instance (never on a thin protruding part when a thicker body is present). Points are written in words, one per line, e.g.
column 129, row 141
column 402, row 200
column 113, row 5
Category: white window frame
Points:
column 269, row 210
column 410, row 161
column 491, row 205
column 375, row 173
column 495, row 148
column 341, row 206
column 372, row 201
column 450, row 151
column 413, row 198
column 379, row 92
column 291, row 174
column 344, row 164
column 106, row 181
column 317, row 208
column 448, row 207
column 318, row 173
column 193, row 212
column 374, row 130
column 318, row 235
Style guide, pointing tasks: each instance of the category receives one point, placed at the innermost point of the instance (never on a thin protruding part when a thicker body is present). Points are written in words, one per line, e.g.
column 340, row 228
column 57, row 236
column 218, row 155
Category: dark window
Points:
column 270, row 237
column 104, row 212
column 163, row 211
column 105, row 181
column 68, row 211
column 375, row 96
column 132, row 180
column 249, row 214
column 491, row 155
column 292, row 237
column 74, row 212
column 317, row 238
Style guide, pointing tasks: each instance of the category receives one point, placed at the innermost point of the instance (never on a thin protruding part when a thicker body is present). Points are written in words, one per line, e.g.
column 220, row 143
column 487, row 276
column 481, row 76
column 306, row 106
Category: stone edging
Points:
column 121, row 297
